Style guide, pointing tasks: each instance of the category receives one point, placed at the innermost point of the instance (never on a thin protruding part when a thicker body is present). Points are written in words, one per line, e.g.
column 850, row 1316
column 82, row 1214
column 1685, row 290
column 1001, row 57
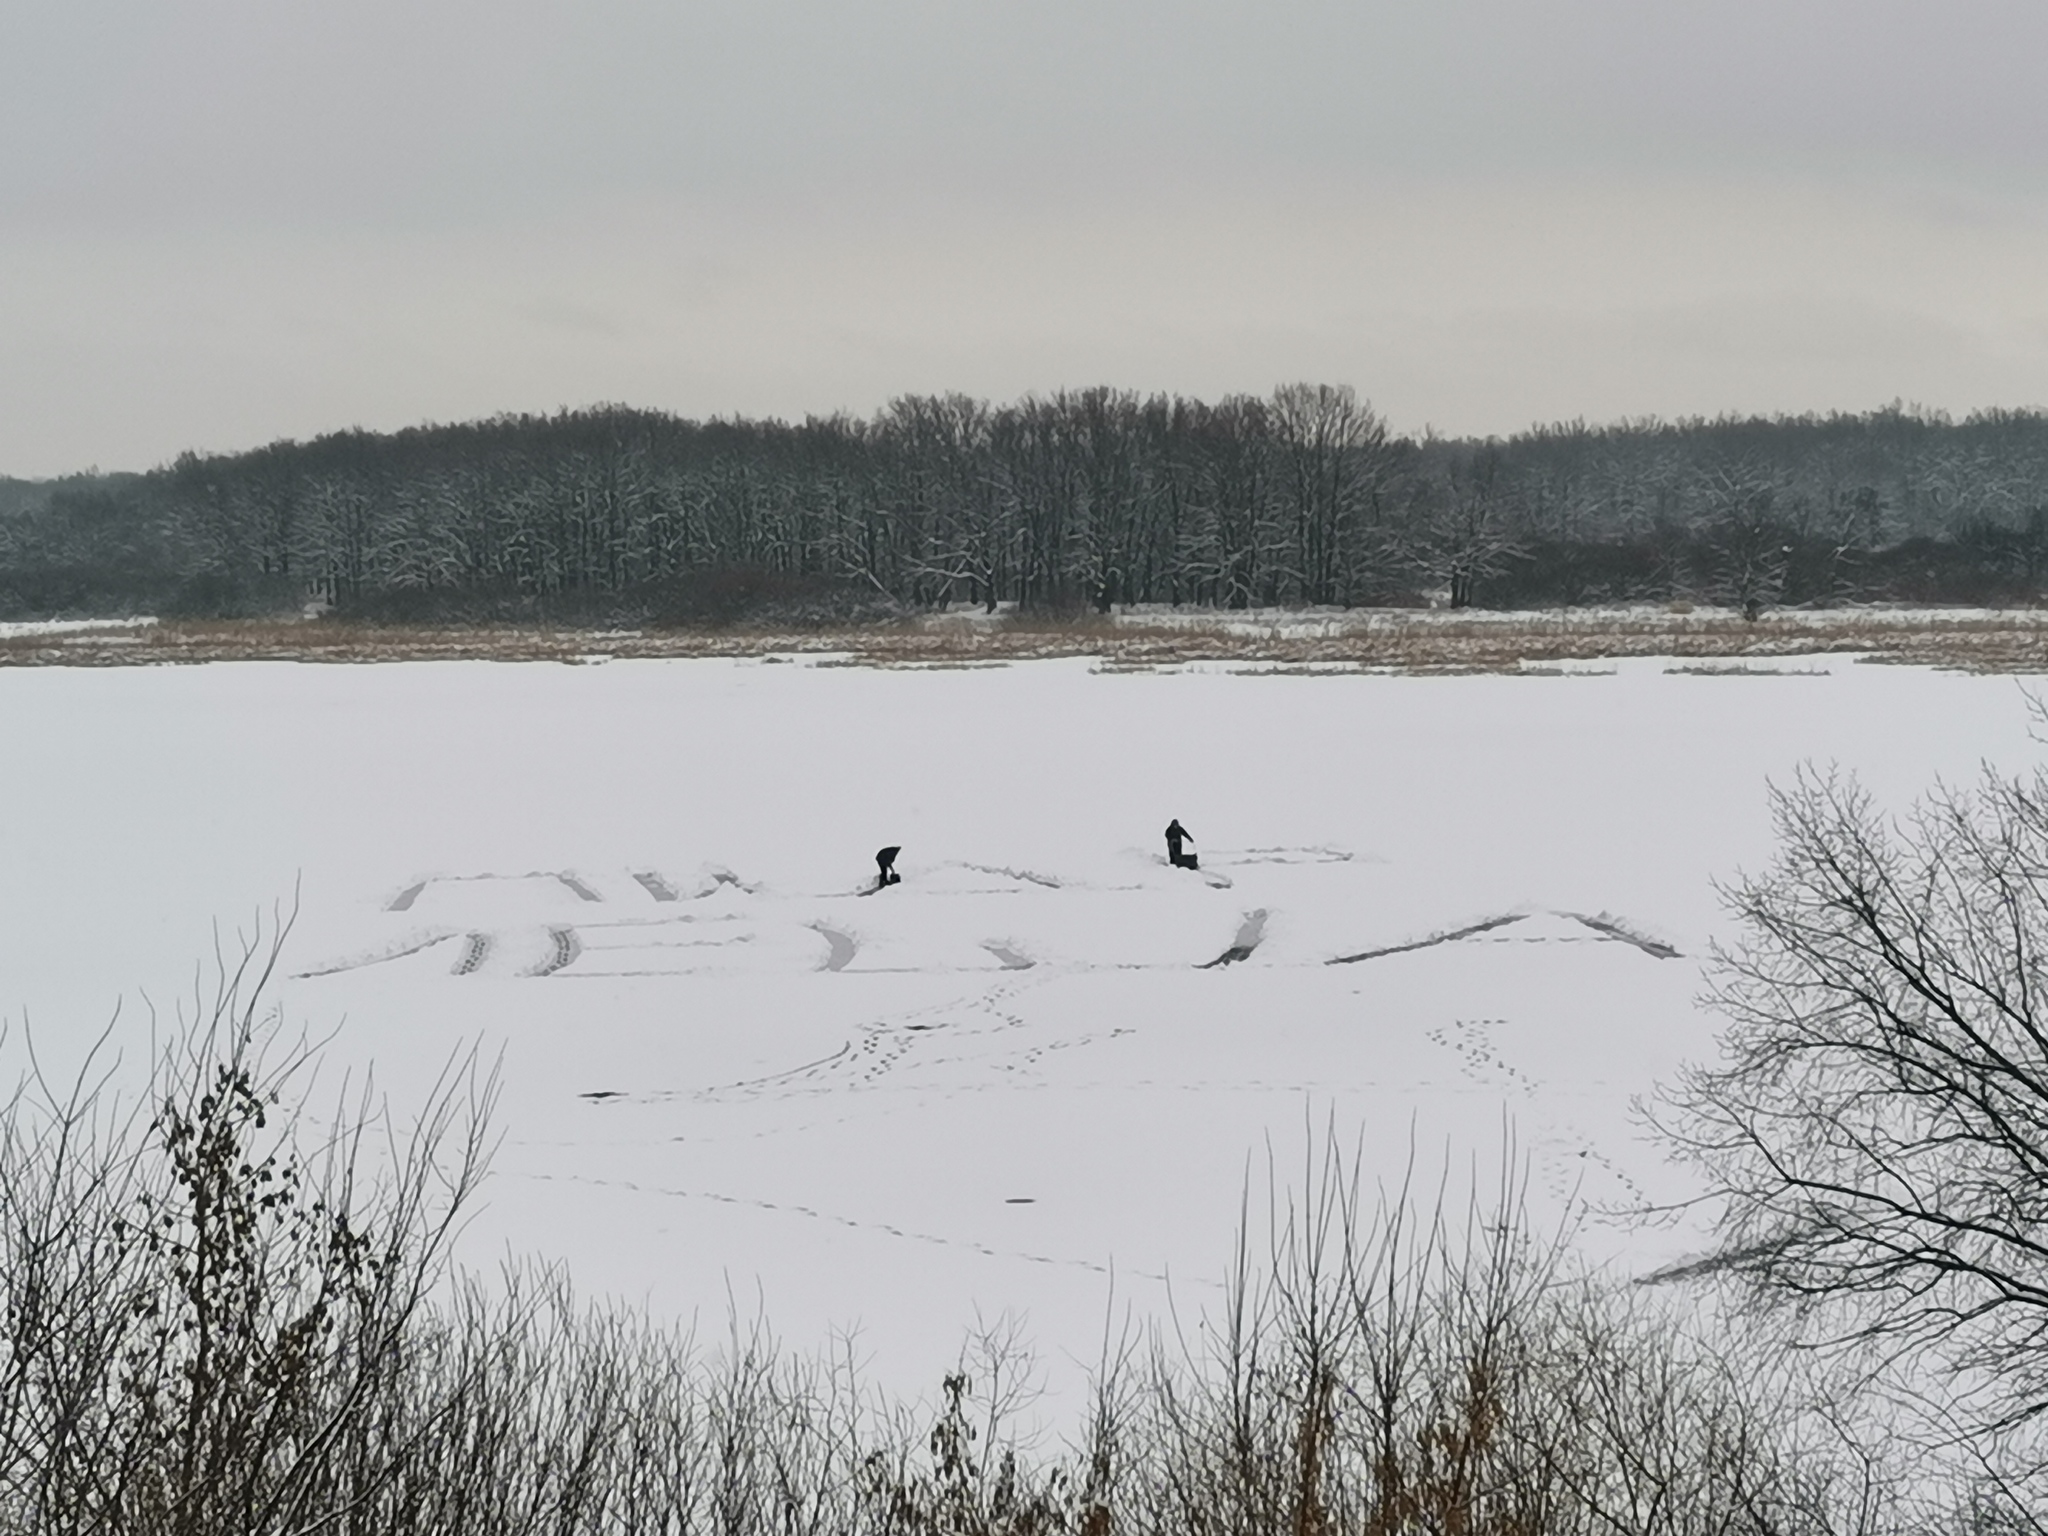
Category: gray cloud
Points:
column 230, row 220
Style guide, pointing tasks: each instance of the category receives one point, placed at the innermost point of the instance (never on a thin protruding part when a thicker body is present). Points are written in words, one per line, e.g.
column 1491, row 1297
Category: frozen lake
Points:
column 988, row 1090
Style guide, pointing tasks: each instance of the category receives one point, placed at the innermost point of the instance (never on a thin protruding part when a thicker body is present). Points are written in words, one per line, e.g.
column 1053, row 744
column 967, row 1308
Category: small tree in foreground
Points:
column 1877, row 1130
column 207, row 1296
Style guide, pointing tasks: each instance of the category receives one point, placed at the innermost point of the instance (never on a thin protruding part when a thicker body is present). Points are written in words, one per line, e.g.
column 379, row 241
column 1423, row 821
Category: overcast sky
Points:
column 226, row 221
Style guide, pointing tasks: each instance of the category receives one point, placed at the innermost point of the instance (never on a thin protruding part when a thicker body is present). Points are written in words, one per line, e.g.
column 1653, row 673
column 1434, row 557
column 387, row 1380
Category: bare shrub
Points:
column 225, row 1313
column 1395, row 1371
column 203, row 1311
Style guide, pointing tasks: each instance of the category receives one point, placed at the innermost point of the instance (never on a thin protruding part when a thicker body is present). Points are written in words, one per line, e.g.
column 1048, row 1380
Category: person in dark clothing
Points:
column 885, row 866
column 1176, row 834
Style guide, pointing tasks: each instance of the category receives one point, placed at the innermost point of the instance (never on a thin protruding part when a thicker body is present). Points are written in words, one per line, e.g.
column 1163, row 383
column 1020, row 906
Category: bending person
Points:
column 1176, row 834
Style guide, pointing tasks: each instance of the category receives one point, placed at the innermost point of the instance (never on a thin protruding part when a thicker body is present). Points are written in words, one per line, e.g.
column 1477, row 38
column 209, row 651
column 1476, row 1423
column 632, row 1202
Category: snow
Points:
column 103, row 631
column 1025, row 1080
column 1338, row 622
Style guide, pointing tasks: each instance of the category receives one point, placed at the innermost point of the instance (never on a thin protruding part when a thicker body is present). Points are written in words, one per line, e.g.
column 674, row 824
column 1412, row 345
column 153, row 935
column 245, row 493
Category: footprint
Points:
column 1471, row 1041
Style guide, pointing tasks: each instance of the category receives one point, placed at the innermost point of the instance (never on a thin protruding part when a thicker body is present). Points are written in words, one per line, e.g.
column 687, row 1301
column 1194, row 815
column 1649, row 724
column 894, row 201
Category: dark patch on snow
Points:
column 1713, row 1263
column 1451, row 936
column 1615, row 929
column 1012, row 960
column 578, row 886
column 1249, row 935
column 1021, row 1200
column 599, row 1095
column 474, row 949
column 842, row 947
column 566, row 948
column 654, row 885
column 403, row 901
column 357, row 962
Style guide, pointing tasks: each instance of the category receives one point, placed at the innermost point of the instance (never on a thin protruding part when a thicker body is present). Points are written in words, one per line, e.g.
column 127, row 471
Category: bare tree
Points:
column 1876, row 1133
column 1464, row 537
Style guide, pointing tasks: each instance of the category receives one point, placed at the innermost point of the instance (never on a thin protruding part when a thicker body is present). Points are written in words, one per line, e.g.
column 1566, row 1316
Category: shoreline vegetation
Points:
column 231, row 1305
column 1137, row 638
column 1079, row 501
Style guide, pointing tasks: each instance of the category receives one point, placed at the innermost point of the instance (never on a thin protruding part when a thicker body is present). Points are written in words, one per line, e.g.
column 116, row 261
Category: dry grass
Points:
column 1364, row 640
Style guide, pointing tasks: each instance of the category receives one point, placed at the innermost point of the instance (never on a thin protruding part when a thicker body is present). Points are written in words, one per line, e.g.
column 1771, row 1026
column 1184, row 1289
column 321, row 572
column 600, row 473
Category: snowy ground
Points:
column 1455, row 906
column 82, row 630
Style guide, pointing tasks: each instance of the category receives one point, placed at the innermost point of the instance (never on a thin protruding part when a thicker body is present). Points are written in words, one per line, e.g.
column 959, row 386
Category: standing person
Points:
column 885, row 868
column 1176, row 834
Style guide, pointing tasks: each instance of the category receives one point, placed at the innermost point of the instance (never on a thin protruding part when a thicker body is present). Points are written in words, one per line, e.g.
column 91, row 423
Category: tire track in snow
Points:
column 566, row 948
column 1449, row 936
column 1614, row 928
column 376, row 957
column 1030, row 876
column 474, row 951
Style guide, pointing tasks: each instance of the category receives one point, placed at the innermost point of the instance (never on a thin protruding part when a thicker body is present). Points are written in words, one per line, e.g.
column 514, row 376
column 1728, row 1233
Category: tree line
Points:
column 1077, row 499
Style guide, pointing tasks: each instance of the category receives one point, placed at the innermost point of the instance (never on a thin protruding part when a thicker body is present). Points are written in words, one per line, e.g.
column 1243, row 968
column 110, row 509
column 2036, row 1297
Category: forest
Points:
column 1065, row 502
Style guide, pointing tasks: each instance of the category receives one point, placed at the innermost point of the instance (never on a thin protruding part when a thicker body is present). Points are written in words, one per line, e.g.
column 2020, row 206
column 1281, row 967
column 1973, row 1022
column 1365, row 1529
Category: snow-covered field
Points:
column 1460, row 908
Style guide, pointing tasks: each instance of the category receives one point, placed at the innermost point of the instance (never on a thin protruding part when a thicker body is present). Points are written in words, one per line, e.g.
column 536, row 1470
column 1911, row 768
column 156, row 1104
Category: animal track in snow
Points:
column 1471, row 1041
column 1574, row 1161
column 811, row 1213
column 937, row 1035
